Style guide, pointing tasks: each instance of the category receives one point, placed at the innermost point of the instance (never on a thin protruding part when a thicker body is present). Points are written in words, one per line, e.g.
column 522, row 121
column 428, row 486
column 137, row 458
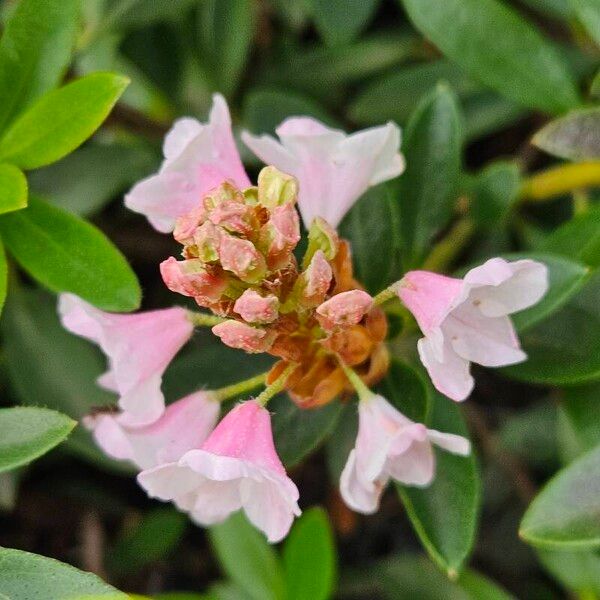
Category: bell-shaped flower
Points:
column 466, row 320
column 184, row 425
column 390, row 446
column 198, row 158
column 139, row 348
column 236, row 468
column 333, row 169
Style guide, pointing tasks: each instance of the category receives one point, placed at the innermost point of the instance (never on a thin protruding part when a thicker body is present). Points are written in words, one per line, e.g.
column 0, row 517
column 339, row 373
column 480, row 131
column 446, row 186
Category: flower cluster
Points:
column 240, row 261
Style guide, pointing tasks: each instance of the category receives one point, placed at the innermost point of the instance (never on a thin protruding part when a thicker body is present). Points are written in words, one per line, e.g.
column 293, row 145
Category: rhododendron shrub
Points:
column 363, row 353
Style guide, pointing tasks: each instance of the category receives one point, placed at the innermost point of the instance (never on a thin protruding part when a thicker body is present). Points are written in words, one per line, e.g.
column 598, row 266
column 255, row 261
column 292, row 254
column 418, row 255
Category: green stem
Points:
column 364, row 393
column 560, row 180
column 276, row 386
column 204, row 320
column 241, row 387
column 447, row 249
column 385, row 295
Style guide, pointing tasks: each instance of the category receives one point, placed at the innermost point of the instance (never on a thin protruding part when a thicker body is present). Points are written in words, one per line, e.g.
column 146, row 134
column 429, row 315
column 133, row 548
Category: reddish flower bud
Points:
column 242, row 258
column 347, row 308
column 188, row 277
column 186, row 225
column 254, row 308
column 244, row 337
column 234, row 217
column 206, row 242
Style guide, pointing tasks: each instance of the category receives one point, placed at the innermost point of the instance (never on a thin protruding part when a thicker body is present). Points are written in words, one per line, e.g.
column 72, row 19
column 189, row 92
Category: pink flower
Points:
column 344, row 309
column 139, row 348
column 188, row 277
column 390, row 446
column 467, row 320
column 254, row 308
column 236, row 467
column 198, row 158
column 333, row 169
column 184, row 425
column 244, row 337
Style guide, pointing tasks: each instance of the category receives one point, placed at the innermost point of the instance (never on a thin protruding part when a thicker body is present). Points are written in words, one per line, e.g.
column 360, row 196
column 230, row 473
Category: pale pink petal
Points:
column 451, row 375
column 139, row 347
column 500, row 287
column 450, row 442
column 184, row 425
column 344, row 309
column 415, row 466
column 182, row 132
column 254, row 308
column 358, row 495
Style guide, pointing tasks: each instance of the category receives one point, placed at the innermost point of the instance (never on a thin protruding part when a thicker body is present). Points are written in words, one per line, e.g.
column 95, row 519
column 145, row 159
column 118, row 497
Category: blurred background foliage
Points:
column 471, row 82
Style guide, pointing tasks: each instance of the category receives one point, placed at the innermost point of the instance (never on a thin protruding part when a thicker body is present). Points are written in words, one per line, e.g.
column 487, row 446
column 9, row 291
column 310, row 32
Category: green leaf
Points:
column 265, row 108
column 141, row 13
column 341, row 441
column 86, row 180
column 67, row 254
column 226, row 29
column 488, row 112
column 26, row 576
column 61, row 120
column 444, row 514
column 27, row 433
column 373, row 224
column 595, row 87
column 298, row 432
column 48, row 365
column 565, row 278
column 407, row 390
column 519, row 63
column 565, row 348
column 580, row 412
column 577, row 239
column 495, row 191
column 427, row 187
column 480, row 587
column 340, row 21
column 574, row 136
column 152, row 539
column 577, row 571
column 13, row 186
column 309, row 557
column 35, row 51
column 3, row 277
column 588, row 12
column 565, row 513
column 246, row 557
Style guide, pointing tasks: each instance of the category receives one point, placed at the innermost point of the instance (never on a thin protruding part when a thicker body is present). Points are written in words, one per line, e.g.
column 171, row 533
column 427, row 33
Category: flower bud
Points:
column 186, row 225
column 244, row 337
column 226, row 192
column 242, row 258
column 321, row 236
column 280, row 235
column 345, row 309
column 190, row 278
column 254, row 308
column 206, row 242
column 313, row 283
column 234, row 217
column 276, row 188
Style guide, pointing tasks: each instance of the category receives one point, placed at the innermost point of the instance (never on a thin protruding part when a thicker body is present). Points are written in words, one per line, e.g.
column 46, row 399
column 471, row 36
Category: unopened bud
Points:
column 234, row 217
column 188, row 277
column 242, row 259
column 345, row 309
column 280, row 235
column 244, row 337
column 321, row 236
column 254, row 308
column 313, row 284
column 207, row 240
column 186, row 225
column 226, row 192
column 276, row 188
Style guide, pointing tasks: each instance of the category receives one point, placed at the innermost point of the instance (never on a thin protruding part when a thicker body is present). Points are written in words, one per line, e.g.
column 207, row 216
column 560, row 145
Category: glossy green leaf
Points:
column 495, row 191
column 373, row 224
column 577, row 239
column 519, row 63
column 574, row 136
column 265, row 108
column 153, row 538
column 340, row 21
column 67, row 254
column 61, row 120
column 141, row 13
column 35, row 51
column 26, row 576
column 247, row 558
column 588, row 12
column 342, row 440
column 226, row 29
column 3, row 276
column 86, row 180
column 487, row 112
column 580, row 412
column 565, row 278
column 309, row 558
column 427, row 188
column 559, row 9
column 595, row 87
column 445, row 514
column 48, row 365
column 13, row 188
column 564, row 349
column 299, row 432
column 26, row 433
column 565, row 513
column 577, row 571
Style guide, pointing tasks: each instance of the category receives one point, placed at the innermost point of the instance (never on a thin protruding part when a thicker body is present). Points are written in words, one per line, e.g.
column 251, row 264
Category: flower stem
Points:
column 276, row 386
column 450, row 246
column 236, row 389
column 204, row 320
column 559, row 180
column 385, row 295
column 364, row 393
